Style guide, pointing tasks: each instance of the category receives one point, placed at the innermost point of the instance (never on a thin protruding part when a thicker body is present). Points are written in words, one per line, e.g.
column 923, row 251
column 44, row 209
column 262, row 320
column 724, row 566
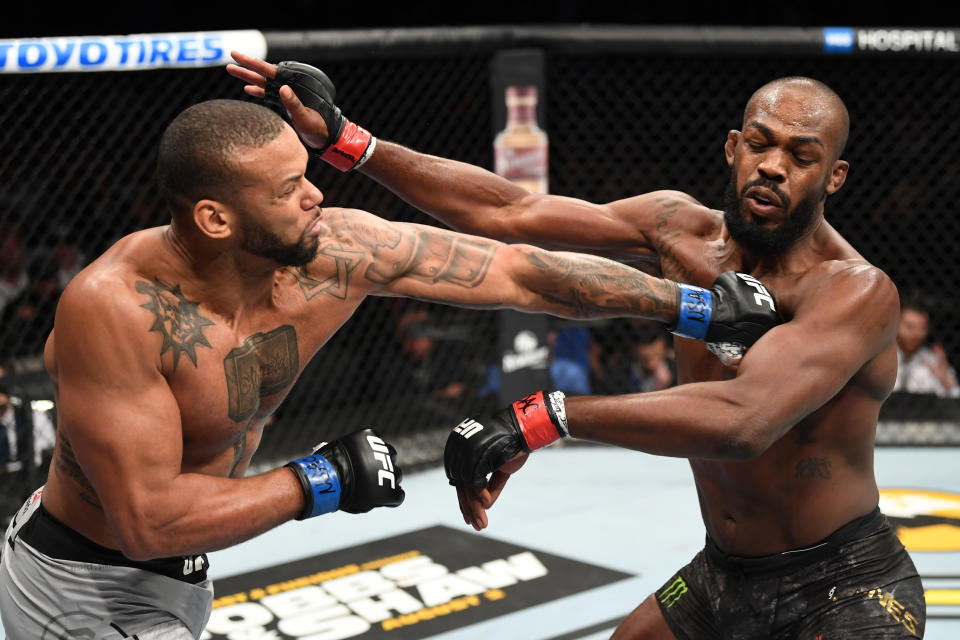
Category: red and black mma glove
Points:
column 478, row 446
column 729, row 317
column 354, row 474
column 348, row 145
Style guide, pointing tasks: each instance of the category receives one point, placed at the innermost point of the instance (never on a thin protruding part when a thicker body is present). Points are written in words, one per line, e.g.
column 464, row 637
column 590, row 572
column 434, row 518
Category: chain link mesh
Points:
column 78, row 160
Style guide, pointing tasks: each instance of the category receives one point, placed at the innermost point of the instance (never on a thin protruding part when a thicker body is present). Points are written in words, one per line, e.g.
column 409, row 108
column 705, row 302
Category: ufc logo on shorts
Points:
column 382, row 454
column 762, row 295
column 191, row 564
column 468, row 427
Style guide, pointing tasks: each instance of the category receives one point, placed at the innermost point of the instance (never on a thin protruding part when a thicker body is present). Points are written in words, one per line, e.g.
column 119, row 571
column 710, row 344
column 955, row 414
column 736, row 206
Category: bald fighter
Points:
column 781, row 448
column 172, row 349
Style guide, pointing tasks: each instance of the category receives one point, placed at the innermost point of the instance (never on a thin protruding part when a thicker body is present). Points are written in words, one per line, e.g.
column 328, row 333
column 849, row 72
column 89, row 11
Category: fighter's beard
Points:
column 755, row 238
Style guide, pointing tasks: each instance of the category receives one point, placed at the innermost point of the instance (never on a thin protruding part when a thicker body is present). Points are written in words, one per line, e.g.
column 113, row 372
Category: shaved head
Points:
column 198, row 149
column 819, row 106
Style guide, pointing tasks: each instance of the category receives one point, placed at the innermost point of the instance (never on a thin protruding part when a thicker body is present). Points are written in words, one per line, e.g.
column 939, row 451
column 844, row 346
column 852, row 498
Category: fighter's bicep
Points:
column 444, row 266
column 800, row 365
column 119, row 419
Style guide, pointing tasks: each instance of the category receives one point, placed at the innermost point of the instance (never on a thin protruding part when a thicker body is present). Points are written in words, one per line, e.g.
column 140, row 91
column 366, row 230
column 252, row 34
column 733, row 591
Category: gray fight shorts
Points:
column 54, row 584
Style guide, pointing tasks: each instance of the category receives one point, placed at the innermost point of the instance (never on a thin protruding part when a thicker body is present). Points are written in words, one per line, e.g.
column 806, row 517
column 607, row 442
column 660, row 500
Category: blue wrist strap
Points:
column 694, row 308
column 320, row 482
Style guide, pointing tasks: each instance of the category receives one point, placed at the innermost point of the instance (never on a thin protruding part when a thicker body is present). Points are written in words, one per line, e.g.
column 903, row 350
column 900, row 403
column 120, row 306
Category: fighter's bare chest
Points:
column 225, row 372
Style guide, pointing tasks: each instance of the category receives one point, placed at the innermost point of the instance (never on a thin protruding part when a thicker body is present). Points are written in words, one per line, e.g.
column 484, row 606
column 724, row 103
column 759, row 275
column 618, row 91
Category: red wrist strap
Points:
column 535, row 422
column 346, row 152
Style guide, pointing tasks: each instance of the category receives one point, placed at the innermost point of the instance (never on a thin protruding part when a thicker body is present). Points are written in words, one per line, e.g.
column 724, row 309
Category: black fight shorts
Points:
column 857, row 584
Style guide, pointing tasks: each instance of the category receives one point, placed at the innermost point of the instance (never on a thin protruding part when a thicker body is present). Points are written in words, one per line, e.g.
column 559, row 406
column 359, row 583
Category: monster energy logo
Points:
column 669, row 596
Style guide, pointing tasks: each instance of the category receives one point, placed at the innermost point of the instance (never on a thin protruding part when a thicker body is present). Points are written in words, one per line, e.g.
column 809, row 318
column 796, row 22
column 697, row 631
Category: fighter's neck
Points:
column 817, row 244
column 223, row 281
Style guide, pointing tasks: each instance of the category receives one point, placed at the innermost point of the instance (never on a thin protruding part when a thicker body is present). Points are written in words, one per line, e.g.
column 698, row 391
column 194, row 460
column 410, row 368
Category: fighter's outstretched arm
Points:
column 439, row 265
column 474, row 200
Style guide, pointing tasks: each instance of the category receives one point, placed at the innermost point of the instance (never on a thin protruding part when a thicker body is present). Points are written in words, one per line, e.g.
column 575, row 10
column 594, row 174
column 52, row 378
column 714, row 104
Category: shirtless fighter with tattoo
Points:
column 781, row 448
column 172, row 349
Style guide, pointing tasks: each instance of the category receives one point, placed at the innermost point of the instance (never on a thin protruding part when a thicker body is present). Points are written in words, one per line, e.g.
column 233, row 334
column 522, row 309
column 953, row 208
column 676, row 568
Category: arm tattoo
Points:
column 812, row 468
column 586, row 285
column 668, row 236
column 67, row 465
column 175, row 318
column 373, row 237
column 267, row 363
column 336, row 285
column 435, row 256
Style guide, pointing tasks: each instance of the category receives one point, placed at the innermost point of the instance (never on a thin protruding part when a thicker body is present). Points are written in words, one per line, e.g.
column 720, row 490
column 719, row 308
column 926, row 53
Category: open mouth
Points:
column 763, row 202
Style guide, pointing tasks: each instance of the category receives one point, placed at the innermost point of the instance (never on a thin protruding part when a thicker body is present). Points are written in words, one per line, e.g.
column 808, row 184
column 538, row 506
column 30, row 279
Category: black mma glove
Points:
column 476, row 447
column 348, row 145
column 354, row 474
column 730, row 317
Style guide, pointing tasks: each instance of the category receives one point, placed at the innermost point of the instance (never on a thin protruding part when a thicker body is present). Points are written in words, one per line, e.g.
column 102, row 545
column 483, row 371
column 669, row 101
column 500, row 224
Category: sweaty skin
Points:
column 782, row 447
column 173, row 348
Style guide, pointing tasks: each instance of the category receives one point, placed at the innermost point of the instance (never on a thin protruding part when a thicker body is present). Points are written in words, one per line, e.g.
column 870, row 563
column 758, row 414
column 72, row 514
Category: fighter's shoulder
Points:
column 112, row 285
column 668, row 208
column 100, row 287
column 852, row 285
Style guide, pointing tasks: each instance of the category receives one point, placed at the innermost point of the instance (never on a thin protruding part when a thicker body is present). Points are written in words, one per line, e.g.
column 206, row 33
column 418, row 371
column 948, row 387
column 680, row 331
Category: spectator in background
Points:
column 12, row 435
column 653, row 367
column 922, row 366
column 13, row 276
column 570, row 360
column 27, row 319
column 8, row 430
column 70, row 259
column 437, row 372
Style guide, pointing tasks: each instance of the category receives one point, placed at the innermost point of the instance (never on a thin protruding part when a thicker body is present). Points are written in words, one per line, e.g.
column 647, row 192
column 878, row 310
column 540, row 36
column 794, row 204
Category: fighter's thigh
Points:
column 644, row 623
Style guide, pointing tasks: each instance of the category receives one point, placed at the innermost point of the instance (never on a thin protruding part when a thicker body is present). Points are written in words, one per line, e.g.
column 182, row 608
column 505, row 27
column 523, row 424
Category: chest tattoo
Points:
column 265, row 364
column 175, row 318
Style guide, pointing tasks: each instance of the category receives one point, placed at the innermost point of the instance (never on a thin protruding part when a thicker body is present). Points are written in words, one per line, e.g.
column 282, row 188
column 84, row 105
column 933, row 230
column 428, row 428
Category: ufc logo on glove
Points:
column 762, row 294
column 468, row 428
column 382, row 454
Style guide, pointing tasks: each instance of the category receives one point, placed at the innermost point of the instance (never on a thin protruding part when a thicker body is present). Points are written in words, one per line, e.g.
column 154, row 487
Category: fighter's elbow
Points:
column 746, row 438
column 139, row 537
column 140, row 544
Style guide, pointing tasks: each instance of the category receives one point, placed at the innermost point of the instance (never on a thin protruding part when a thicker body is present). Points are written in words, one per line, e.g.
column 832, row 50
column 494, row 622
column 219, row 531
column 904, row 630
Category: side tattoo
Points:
column 66, row 463
column 667, row 238
column 813, row 468
column 175, row 318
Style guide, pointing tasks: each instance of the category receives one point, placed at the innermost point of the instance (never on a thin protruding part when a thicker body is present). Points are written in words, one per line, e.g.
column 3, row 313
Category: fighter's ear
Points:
column 838, row 175
column 733, row 137
column 213, row 218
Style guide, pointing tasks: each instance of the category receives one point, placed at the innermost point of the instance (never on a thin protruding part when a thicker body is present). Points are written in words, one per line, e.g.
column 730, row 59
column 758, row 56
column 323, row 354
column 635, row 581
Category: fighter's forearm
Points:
column 575, row 285
column 699, row 420
column 199, row 513
column 463, row 196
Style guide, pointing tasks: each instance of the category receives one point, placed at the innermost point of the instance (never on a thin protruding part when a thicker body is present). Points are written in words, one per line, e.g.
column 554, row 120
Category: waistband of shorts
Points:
column 787, row 560
column 51, row 537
